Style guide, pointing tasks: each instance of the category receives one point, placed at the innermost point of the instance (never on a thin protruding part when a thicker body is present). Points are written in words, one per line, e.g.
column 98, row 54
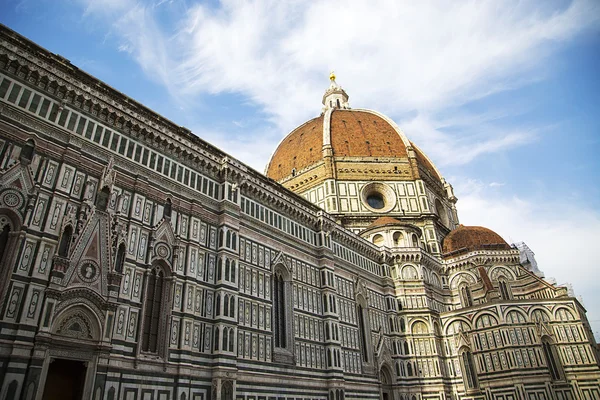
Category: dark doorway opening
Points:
column 65, row 380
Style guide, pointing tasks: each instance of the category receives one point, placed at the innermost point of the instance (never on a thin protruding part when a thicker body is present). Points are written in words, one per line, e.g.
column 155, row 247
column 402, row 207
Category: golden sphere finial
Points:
column 332, row 76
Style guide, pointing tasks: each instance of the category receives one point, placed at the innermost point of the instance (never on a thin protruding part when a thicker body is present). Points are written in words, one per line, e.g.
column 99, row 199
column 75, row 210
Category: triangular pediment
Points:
column 281, row 259
column 18, row 177
column 164, row 233
column 91, row 255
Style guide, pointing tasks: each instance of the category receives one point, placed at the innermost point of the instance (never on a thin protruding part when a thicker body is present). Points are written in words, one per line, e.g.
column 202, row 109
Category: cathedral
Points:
column 139, row 262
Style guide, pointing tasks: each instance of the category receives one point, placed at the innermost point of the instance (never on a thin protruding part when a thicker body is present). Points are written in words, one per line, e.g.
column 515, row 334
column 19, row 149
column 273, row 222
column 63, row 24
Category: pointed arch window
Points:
column 232, row 272
column 4, row 234
column 27, row 152
column 168, row 209
column 466, row 297
column 279, row 310
column 217, row 329
column 551, row 358
column 65, row 242
column 218, row 305
column 102, row 198
column 363, row 331
column 231, row 338
column 120, row 258
column 232, row 307
column 504, row 287
column 155, row 296
column 468, row 368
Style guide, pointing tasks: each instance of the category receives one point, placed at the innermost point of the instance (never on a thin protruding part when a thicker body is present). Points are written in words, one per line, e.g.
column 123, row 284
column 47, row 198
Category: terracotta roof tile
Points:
column 383, row 221
column 472, row 238
column 300, row 149
column 363, row 134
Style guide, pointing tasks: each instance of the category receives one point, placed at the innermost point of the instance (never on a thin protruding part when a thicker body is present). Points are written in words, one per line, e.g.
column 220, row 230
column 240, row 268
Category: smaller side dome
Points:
column 381, row 221
column 470, row 238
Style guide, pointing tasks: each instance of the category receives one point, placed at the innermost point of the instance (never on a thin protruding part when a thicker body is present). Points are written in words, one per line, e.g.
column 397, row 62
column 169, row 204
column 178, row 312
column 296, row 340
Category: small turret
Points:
column 335, row 96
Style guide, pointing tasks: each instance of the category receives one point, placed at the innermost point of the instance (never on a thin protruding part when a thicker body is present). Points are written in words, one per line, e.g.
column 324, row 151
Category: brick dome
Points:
column 351, row 134
column 469, row 238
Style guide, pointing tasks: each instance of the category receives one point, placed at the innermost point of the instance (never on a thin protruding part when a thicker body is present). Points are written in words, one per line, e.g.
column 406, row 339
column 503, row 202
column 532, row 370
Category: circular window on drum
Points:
column 378, row 197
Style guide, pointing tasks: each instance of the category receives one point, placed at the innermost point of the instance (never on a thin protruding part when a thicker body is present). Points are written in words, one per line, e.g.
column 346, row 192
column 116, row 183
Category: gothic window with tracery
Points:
column 468, row 369
column 362, row 331
column 3, row 241
column 504, row 289
column 168, row 209
column 279, row 310
column 102, row 198
column 65, row 242
column 466, row 297
column 155, row 298
column 120, row 258
column 551, row 358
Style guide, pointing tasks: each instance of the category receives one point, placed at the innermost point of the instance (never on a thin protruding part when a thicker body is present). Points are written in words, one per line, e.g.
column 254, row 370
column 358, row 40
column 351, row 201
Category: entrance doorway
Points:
column 386, row 383
column 65, row 380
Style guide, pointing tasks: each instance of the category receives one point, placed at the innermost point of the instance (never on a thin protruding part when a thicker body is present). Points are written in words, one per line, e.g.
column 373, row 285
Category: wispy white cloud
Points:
column 477, row 138
column 395, row 56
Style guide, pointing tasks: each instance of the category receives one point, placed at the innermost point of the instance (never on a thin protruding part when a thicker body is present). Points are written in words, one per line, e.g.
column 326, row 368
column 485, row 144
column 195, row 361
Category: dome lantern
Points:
column 335, row 96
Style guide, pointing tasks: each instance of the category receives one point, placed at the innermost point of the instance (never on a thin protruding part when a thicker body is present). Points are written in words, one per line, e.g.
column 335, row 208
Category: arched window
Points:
column 225, row 339
column 231, row 338
column 227, row 268
column 279, row 310
column 378, row 240
column 218, row 304
column 232, row 307
column 441, row 211
column 504, row 289
column 466, row 298
column 415, row 240
column 65, row 242
column 219, row 269
column 398, row 239
column 3, row 242
column 551, row 358
column 226, row 391
column 102, row 198
column 406, row 349
column 216, row 338
column 468, row 368
column 409, row 369
column 120, row 258
column 155, row 306
column 228, row 239
column 27, row 152
column 168, row 209
column 232, row 272
column 362, row 330
column 234, row 241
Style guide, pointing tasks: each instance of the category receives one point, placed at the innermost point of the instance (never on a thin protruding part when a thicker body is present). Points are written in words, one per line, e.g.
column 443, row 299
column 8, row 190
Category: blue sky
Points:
column 503, row 96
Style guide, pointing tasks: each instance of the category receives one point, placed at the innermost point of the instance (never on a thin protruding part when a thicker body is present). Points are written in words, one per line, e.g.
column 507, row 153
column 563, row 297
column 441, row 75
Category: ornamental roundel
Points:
column 162, row 250
column 11, row 198
column 88, row 272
